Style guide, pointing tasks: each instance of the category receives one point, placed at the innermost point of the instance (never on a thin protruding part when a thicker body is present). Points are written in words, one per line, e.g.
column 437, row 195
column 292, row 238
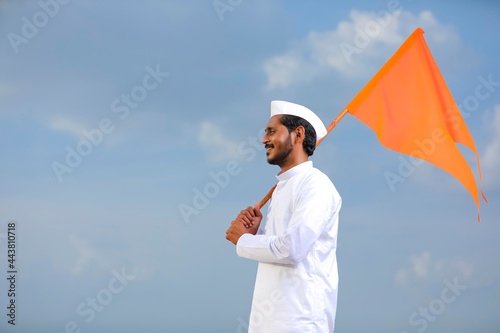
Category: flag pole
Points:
column 330, row 127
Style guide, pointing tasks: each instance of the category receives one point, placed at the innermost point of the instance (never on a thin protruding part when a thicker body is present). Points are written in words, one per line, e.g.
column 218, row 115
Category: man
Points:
column 297, row 279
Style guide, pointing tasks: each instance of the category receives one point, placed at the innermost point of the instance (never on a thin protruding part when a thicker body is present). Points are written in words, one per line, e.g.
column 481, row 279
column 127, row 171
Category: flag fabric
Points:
column 410, row 108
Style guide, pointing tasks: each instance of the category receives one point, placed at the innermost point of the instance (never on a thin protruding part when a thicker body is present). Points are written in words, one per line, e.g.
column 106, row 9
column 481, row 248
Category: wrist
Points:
column 246, row 233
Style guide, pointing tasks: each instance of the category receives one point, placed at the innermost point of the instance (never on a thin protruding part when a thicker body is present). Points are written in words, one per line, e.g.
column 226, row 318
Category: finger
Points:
column 257, row 210
column 250, row 210
column 248, row 214
column 244, row 219
column 238, row 220
column 246, row 223
column 241, row 225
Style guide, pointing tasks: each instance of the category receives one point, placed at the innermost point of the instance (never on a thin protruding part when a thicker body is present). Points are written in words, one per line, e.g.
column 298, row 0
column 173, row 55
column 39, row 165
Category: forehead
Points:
column 274, row 122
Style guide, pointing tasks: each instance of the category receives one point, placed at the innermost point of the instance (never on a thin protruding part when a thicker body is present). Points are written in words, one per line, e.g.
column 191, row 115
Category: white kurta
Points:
column 297, row 278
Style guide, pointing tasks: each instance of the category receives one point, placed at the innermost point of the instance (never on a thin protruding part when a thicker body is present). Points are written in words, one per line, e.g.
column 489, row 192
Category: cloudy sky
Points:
column 130, row 139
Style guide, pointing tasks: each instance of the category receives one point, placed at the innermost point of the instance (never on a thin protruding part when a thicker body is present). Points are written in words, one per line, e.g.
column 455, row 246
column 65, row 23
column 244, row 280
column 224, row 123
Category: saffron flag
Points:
column 410, row 108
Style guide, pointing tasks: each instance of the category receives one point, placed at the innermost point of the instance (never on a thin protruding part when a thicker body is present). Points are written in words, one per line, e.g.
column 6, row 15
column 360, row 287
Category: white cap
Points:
column 281, row 107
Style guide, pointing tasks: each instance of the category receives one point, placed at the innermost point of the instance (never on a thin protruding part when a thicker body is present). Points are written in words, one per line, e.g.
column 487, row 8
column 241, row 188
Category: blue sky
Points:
column 116, row 115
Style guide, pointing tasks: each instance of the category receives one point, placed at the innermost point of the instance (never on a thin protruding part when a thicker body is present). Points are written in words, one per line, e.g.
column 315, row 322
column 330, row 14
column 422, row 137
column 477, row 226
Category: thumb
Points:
column 256, row 209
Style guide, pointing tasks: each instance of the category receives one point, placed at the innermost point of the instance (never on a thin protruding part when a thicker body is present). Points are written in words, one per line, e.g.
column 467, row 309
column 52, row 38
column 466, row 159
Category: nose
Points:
column 265, row 139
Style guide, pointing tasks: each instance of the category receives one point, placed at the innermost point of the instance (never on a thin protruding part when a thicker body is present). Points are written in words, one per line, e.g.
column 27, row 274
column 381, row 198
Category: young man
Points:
column 297, row 279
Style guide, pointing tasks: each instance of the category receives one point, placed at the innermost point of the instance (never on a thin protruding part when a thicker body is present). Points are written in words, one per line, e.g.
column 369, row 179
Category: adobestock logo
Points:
column 30, row 28
column 220, row 179
column 263, row 310
column 408, row 164
column 428, row 314
column 371, row 30
column 120, row 106
column 103, row 298
column 482, row 92
column 222, row 6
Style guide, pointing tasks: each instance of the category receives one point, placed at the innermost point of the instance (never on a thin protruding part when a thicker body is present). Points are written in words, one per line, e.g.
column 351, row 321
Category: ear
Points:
column 300, row 134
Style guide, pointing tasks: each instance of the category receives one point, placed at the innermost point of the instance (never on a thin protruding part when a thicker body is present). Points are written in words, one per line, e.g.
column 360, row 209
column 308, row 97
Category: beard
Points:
column 280, row 156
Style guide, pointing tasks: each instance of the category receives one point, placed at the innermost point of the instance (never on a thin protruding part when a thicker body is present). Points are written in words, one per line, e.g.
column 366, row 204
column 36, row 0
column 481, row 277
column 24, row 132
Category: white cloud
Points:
column 92, row 259
column 491, row 158
column 359, row 47
column 282, row 70
column 424, row 270
column 217, row 146
column 85, row 254
column 94, row 239
column 68, row 125
column 145, row 125
column 420, row 264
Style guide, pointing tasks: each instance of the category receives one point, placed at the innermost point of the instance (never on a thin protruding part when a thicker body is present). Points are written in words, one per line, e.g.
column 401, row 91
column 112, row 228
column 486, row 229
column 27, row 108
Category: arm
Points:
column 247, row 222
column 315, row 209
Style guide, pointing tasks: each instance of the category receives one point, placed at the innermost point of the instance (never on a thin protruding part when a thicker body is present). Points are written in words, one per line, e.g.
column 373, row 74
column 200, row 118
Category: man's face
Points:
column 277, row 141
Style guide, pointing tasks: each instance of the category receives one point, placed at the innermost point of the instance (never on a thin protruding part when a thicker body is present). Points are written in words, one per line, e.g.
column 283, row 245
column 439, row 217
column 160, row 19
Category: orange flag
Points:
column 410, row 108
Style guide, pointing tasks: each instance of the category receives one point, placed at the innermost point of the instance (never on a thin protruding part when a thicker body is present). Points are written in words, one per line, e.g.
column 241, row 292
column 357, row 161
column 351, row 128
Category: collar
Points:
column 295, row 170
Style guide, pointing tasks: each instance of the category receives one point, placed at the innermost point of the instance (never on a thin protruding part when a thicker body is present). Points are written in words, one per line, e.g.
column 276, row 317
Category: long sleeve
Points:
column 315, row 206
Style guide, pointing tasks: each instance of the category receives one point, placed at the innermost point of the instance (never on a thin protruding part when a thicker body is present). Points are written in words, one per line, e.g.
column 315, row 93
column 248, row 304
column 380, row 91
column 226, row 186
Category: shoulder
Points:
column 319, row 178
column 317, row 181
column 315, row 189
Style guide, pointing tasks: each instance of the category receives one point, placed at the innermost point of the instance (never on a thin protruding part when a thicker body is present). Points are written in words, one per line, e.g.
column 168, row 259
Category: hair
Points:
column 292, row 122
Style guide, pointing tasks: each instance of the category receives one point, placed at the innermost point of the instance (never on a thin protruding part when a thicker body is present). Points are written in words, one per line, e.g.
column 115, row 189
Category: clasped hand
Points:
column 247, row 222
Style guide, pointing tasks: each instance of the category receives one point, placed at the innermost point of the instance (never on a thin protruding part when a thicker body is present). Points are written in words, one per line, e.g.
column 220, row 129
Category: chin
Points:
column 271, row 161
